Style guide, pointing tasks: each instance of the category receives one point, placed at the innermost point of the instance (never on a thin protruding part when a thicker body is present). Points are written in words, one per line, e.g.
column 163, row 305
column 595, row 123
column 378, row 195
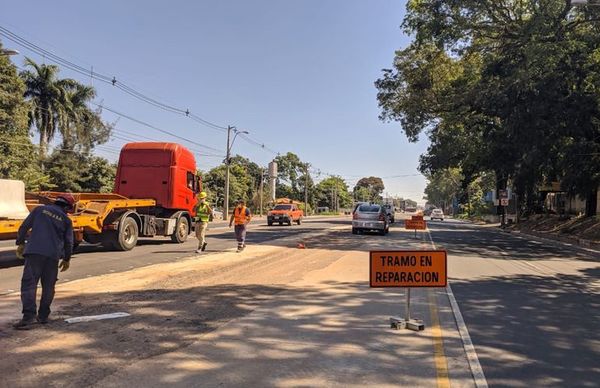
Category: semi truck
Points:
column 155, row 194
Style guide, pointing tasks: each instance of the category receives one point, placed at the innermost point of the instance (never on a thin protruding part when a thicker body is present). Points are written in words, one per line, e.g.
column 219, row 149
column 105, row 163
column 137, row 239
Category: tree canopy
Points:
column 507, row 87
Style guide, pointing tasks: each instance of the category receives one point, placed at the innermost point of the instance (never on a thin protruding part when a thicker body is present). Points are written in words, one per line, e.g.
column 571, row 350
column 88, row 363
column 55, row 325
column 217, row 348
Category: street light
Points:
column 228, row 163
column 8, row 52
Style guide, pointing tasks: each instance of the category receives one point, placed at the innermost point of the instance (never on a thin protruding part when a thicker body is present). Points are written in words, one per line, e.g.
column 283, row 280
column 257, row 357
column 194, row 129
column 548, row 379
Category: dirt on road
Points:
column 171, row 306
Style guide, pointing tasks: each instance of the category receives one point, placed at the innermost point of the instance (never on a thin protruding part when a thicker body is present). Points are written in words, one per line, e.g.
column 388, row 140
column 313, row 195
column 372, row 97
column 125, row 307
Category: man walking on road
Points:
column 241, row 216
column 203, row 216
column 51, row 239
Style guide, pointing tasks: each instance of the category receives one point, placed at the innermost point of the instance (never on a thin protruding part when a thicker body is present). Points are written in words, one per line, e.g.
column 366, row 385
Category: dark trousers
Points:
column 38, row 268
column 240, row 234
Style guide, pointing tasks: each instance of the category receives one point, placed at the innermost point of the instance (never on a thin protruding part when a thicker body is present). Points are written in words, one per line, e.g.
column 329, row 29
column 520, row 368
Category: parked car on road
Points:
column 370, row 217
column 437, row 214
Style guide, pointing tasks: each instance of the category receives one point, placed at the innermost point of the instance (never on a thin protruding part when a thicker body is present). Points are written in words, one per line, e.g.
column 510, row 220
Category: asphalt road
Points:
column 90, row 260
column 532, row 307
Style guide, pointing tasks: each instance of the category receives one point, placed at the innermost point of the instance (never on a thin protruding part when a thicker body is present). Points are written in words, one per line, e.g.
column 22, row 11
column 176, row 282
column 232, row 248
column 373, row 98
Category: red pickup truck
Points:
column 287, row 213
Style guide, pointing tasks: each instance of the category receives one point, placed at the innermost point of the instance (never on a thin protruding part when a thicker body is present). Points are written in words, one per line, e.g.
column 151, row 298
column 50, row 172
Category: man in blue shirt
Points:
column 50, row 240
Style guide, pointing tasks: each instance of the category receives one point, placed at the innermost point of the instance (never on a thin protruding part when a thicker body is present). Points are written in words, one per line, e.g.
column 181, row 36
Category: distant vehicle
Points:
column 368, row 217
column 390, row 210
column 285, row 213
column 218, row 214
column 437, row 214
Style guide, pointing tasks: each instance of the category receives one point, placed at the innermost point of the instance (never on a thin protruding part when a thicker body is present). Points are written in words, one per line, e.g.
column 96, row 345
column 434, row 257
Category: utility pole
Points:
column 262, row 178
column 306, row 189
column 227, row 163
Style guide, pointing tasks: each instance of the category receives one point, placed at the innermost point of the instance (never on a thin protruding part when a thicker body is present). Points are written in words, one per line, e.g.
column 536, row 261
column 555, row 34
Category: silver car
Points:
column 370, row 217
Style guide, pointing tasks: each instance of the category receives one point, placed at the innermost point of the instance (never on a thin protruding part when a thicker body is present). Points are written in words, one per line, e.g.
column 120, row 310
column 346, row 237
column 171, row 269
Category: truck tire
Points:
column 127, row 235
column 299, row 221
column 182, row 229
column 270, row 223
column 289, row 222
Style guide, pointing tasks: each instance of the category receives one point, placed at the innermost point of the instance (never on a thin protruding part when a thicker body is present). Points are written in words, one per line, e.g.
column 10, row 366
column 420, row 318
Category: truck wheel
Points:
column 127, row 235
column 280, row 223
column 182, row 229
column 270, row 223
column 289, row 222
column 354, row 231
column 299, row 221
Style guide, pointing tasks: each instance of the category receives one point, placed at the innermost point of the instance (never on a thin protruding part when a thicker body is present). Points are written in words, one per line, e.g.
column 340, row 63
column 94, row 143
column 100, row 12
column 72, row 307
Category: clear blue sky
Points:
column 297, row 74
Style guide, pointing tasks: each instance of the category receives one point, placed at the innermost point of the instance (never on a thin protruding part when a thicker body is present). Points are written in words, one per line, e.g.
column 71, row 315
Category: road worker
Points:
column 241, row 216
column 203, row 216
column 51, row 240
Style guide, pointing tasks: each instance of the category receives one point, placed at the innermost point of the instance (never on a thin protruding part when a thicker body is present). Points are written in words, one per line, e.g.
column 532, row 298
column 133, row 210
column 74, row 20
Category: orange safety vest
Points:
column 239, row 215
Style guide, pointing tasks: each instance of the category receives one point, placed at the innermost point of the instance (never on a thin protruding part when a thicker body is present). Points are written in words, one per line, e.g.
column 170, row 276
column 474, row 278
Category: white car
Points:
column 437, row 214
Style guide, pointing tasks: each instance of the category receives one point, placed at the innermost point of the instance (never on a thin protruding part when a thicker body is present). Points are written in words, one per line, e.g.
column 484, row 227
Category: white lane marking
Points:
column 89, row 318
column 472, row 358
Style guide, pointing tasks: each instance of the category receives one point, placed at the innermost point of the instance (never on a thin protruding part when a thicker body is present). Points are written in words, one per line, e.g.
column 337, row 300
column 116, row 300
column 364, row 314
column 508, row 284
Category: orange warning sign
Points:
column 415, row 224
column 417, row 218
column 408, row 269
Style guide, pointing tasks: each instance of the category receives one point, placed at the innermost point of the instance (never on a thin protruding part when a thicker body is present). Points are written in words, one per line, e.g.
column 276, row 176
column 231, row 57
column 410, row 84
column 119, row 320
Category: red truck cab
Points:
column 165, row 172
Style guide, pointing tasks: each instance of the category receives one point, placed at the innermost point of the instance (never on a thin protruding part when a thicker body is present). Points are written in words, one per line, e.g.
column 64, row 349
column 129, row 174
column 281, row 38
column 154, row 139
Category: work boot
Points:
column 240, row 248
column 203, row 246
column 42, row 320
column 24, row 324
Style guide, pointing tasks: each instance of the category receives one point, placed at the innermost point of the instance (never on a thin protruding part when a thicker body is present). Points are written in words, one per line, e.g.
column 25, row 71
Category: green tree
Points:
column 16, row 147
column 291, row 176
column 46, row 94
column 370, row 188
column 443, row 186
column 99, row 176
column 332, row 188
column 508, row 87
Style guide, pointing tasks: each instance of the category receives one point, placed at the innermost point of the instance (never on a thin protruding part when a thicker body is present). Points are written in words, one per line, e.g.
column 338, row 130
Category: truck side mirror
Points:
column 197, row 184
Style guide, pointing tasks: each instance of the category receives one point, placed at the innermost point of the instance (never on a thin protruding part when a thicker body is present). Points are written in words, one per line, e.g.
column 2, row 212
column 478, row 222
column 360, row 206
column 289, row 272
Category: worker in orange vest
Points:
column 241, row 217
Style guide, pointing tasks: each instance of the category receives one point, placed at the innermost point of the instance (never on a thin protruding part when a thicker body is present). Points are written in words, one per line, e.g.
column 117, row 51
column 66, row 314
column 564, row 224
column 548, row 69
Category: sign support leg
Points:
column 407, row 322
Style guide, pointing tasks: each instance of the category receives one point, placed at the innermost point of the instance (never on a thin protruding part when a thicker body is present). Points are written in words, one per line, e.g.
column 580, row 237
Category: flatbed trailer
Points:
column 109, row 219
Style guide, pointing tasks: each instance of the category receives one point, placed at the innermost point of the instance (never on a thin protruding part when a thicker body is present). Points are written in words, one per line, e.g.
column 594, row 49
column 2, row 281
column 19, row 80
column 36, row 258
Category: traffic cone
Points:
column 301, row 245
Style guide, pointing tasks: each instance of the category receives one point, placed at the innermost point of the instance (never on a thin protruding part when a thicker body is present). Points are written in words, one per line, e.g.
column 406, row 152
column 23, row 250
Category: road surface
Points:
column 532, row 307
column 90, row 260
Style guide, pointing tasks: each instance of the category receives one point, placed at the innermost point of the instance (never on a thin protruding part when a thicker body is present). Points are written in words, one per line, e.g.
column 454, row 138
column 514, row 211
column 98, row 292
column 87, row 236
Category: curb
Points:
column 584, row 243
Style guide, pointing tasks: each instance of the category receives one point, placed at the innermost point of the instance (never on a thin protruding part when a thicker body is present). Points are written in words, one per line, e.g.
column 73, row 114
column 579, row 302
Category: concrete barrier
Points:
column 12, row 200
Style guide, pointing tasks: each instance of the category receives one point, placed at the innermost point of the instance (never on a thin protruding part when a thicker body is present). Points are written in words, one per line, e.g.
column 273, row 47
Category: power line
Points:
column 105, row 78
column 129, row 136
column 128, row 117
column 103, row 148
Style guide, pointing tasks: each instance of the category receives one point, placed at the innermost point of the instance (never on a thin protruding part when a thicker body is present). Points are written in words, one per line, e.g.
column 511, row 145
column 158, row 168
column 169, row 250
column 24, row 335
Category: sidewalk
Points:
column 273, row 316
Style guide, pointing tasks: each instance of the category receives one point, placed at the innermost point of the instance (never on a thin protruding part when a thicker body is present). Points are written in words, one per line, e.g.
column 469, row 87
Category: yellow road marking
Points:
column 441, row 364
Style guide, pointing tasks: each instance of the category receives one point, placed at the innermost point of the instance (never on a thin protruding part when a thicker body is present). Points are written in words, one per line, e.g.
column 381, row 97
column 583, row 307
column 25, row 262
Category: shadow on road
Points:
column 163, row 321
column 467, row 239
column 534, row 330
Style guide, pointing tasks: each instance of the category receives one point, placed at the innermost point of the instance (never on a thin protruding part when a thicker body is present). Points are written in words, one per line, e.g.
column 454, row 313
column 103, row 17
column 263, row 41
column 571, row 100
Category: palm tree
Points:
column 46, row 95
column 80, row 121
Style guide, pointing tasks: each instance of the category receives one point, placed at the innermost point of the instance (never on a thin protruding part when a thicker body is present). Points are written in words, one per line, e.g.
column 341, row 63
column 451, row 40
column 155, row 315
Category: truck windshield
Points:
column 282, row 207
